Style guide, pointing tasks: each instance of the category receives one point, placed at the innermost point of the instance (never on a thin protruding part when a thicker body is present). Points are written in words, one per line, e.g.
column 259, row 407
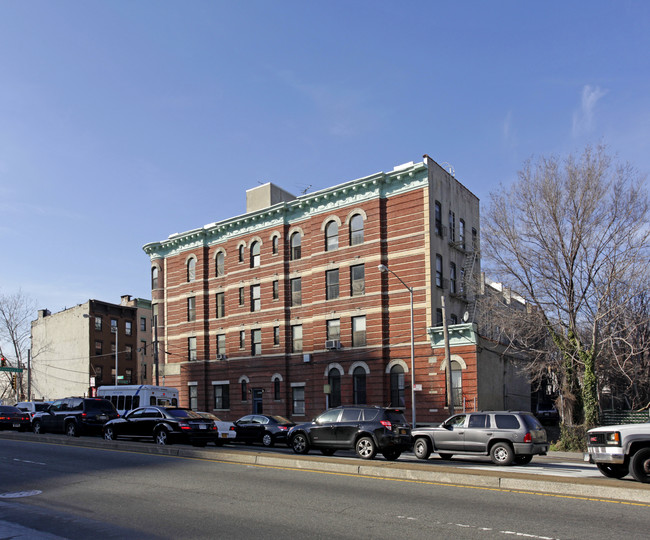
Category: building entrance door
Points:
column 257, row 401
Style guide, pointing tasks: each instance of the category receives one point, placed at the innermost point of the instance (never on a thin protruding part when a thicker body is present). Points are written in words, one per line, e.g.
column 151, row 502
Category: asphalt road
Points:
column 68, row 491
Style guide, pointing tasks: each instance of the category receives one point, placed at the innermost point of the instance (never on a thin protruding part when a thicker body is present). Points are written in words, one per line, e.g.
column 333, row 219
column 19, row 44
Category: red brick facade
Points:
column 396, row 232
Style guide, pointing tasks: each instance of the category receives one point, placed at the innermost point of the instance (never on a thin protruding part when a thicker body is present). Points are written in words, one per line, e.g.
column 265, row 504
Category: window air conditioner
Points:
column 221, row 357
column 332, row 344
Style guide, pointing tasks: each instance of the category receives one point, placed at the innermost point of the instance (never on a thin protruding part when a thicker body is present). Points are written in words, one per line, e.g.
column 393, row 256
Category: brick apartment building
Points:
column 73, row 351
column 283, row 310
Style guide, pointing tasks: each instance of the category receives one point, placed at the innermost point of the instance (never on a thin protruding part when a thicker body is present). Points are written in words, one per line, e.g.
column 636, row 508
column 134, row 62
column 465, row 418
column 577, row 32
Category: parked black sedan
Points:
column 14, row 418
column 262, row 428
column 165, row 425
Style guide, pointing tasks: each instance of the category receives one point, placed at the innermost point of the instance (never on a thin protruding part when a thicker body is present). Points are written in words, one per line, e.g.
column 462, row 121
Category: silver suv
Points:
column 506, row 436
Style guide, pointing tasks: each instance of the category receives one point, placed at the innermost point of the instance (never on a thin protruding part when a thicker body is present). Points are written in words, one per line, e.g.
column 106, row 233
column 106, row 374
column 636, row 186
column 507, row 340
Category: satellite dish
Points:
column 466, row 316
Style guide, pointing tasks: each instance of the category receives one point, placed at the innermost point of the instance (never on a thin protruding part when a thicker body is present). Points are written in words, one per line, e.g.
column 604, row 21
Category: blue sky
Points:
column 122, row 122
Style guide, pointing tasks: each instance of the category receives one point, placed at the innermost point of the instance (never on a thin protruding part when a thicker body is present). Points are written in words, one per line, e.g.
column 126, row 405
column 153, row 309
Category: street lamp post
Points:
column 384, row 268
column 114, row 331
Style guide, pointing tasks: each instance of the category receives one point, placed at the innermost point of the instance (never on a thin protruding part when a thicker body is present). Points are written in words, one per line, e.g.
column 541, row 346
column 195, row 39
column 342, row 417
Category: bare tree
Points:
column 16, row 313
column 571, row 236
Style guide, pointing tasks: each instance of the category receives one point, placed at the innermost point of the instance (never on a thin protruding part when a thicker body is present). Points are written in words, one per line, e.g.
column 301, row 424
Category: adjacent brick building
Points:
column 283, row 310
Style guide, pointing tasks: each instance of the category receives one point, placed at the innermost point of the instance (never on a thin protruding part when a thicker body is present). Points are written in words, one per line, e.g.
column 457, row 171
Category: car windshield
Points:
column 7, row 409
column 531, row 422
column 281, row 419
column 99, row 406
column 41, row 406
column 183, row 413
column 396, row 417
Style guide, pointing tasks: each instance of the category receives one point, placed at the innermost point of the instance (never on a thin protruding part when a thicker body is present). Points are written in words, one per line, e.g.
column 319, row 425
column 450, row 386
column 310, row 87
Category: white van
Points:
column 131, row 396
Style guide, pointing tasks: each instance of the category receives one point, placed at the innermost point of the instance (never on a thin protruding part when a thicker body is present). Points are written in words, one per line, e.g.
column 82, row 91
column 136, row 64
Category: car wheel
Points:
column 523, row 459
column 612, row 471
column 327, row 451
column 640, row 465
column 71, row 430
column 502, row 454
column 366, row 448
column 37, row 427
column 109, row 434
column 267, row 439
column 421, row 448
column 300, row 444
column 162, row 437
column 444, row 456
column 391, row 455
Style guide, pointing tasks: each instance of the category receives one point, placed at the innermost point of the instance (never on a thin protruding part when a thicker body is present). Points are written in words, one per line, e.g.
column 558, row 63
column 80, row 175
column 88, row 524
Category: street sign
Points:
column 12, row 369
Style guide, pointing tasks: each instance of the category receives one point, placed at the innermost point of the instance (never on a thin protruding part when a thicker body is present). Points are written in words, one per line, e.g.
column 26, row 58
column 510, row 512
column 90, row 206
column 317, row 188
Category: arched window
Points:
column 334, row 380
column 397, row 386
column 356, row 230
column 276, row 389
column 154, row 277
column 359, row 386
column 296, row 240
column 220, row 262
column 457, row 383
column 255, row 254
column 332, row 236
column 241, row 253
column 191, row 269
column 274, row 244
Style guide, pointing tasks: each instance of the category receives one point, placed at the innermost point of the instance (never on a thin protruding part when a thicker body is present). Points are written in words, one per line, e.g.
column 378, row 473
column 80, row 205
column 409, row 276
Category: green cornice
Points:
column 379, row 185
column 459, row 334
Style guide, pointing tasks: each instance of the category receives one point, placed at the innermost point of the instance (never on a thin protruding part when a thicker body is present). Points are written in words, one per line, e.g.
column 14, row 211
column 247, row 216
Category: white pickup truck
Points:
column 619, row 450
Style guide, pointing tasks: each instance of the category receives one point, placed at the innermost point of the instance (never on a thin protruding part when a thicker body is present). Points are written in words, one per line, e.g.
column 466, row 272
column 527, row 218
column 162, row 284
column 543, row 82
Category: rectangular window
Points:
column 191, row 348
column 191, row 308
column 452, row 226
column 222, row 396
column 276, row 335
column 113, row 325
column 220, row 300
column 128, row 375
column 461, row 233
column 474, row 239
column 242, row 339
column 298, row 398
column 438, row 218
column 143, row 346
column 296, row 292
column 276, row 289
column 296, row 338
column 98, row 348
column 256, row 301
column 334, row 329
column 143, row 324
column 332, row 284
column 359, row 331
column 241, row 296
column 128, row 352
column 128, row 325
column 99, row 372
column 98, row 324
column 256, row 342
column 439, row 271
column 221, row 343
column 357, row 280
column 194, row 396
column 438, row 317
column 452, row 278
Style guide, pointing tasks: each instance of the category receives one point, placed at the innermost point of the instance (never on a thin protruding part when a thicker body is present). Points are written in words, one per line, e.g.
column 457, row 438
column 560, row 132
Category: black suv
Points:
column 74, row 416
column 366, row 429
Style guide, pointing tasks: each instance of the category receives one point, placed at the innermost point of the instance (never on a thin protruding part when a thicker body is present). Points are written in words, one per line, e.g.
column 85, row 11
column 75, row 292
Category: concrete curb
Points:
column 432, row 472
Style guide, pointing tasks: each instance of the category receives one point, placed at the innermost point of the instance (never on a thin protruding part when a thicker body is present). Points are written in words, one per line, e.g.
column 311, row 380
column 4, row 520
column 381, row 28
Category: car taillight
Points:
column 386, row 424
column 283, row 428
column 184, row 426
column 528, row 437
column 83, row 414
column 232, row 428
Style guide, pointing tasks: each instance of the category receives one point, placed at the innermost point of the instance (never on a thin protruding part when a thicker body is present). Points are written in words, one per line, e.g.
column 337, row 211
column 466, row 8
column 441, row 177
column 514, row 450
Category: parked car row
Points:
column 508, row 437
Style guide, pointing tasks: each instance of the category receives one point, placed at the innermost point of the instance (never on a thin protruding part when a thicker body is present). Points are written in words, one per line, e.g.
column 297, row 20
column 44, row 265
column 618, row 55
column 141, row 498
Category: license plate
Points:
column 203, row 426
column 102, row 417
column 402, row 432
column 16, row 425
column 224, row 435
